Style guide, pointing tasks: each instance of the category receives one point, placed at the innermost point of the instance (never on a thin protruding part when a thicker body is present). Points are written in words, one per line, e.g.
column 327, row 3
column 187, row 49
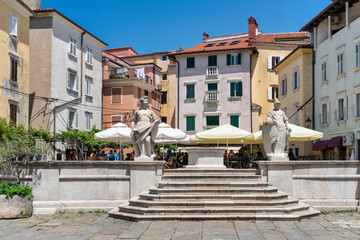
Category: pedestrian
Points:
column 117, row 157
column 110, row 156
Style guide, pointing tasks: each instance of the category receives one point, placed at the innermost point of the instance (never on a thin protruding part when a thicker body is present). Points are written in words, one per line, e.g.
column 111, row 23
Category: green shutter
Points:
column 190, row 91
column 212, row 61
column 239, row 58
column 190, row 62
column 212, row 86
column 215, row 61
column 234, row 120
column 228, row 59
column 240, row 92
column 232, row 89
column 212, row 120
column 190, row 123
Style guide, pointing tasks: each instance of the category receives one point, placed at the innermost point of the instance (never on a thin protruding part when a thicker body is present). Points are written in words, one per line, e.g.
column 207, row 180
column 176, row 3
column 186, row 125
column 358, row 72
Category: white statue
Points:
column 143, row 131
column 276, row 133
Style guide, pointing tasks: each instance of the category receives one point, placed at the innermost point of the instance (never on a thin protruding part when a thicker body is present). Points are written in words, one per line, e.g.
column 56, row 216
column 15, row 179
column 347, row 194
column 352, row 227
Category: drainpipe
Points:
column 82, row 63
column 313, row 87
column 178, row 94
column 251, row 117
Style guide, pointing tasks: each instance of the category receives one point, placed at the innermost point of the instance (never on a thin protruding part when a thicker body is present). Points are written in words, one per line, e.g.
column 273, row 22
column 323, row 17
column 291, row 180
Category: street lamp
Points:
column 308, row 122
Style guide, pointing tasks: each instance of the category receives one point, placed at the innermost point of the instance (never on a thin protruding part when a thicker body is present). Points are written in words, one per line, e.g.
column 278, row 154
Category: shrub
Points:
column 11, row 189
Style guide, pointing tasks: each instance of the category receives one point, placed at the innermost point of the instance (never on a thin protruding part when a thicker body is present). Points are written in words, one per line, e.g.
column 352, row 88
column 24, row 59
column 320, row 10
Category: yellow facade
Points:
column 299, row 60
column 14, row 47
column 262, row 78
column 167, row 67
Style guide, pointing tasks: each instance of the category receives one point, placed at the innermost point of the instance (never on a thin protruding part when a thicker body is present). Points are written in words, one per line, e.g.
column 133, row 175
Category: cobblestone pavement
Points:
column 97, row 225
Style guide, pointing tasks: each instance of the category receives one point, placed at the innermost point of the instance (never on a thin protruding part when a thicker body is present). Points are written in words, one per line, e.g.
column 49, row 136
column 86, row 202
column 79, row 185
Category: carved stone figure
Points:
column 276, row 133
column 143, row 131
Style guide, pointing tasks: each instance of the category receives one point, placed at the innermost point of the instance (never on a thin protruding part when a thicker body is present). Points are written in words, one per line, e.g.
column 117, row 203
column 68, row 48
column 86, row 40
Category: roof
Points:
column 328, row 10
column 47, row 10
column 281, row 38
column 26, row 7
column 149, row 63
column 120, row 48
column 308, row 46
column 148, row 54
column 243, row 44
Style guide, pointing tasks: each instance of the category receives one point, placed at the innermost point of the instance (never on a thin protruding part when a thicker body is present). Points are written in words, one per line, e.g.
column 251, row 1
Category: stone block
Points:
column 15, row 207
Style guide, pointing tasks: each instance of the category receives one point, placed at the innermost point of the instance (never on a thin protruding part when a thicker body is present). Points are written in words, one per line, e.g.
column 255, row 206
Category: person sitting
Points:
column 102, row 155
column 72, row 156
column 117, row 157
column 157, row 154
column 259, row 154
column 111, row 156
column 291, row 154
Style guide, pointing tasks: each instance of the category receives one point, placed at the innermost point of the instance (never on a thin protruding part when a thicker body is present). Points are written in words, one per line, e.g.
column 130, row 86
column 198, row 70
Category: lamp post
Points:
column 308, row 122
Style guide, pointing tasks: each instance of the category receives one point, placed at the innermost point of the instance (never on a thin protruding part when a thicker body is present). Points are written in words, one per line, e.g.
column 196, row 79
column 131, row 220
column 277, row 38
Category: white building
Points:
column 335, row 34
column 66, row 73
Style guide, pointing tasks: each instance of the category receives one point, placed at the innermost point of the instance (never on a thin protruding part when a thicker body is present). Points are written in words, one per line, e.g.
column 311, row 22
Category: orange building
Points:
column 124, row 84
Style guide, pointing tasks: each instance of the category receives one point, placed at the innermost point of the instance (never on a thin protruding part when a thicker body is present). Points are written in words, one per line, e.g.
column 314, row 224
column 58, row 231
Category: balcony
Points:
column 212, row 96
column 212, row 72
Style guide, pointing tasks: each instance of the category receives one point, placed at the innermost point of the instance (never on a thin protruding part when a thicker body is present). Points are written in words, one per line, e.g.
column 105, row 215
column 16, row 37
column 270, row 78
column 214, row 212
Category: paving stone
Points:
column 187, row 236
column 327, row 237
column 102, row 237
column 135, row 230
column 323, row 222
column 291, row 231
column 220, row 237
column 115, row 228
column 164, row 230
column 248, row 230
column 219, row 228
column 312, row 228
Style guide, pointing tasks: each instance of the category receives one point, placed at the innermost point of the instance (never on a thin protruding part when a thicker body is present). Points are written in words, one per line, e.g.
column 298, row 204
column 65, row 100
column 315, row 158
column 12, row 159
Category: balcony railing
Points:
column 211, row 96
column 212, row 72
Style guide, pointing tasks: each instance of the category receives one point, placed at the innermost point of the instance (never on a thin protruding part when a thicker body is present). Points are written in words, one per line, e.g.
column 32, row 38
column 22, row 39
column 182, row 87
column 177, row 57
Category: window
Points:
column 116, row 95
column 273, row 61
column 88, row 117
column 190, row 123
column 164, row 97
column 295, row 150
column 73, row 119
column 341, row 108
column 234, row 42
column 139, row 91
column 324, row 72
column 89, row 83
column 190, row 62
column 357, row 105
column 72, row 81
column 357, row 54
column 283, row 86
column 13, row 25
column 236, row 89
column 296, row 79
column 158, row 103
column 116, row 119
column 13, row 113
column 164, row 77
column 163, row 58
column 233, row 59
column 222, row 44
column 325, row 113
column 212, row 86
column 146, row 93
column 164, row 119
column 190, row 91
column 89, row 55
column 210, row 45
column 340, row 64
column 13, row 69
column 296, row 116
column 212, row 121
column 212, row 61
column 234, row 120
column 272, row 93
column 72, row 46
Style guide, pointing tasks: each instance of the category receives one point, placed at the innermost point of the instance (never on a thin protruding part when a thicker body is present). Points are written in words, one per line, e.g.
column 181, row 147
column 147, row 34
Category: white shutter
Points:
column 293, row 81
column 270, row 62
column 76, row 83
column 328, row 111
column 269, row 93
column 13, row 25
column 298, row 79
column 354, row 107
column 68, row 80
column 336, row 110
column 285, row 86
column 76, row 124
column 345, row 107
column 320, row 115
column 282, row 88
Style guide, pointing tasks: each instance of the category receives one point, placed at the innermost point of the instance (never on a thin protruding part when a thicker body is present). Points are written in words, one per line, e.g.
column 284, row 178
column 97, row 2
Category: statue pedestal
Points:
column 278, row 158
column 205, row 157
column 143, row 159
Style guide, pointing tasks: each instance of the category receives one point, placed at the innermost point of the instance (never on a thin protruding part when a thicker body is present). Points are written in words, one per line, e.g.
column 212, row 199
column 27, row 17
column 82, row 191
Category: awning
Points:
column 320, row 145
column 335, row 142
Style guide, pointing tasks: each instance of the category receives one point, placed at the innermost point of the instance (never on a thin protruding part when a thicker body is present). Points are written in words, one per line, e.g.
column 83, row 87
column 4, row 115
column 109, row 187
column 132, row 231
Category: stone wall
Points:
column 75, row 186
column 325, row 185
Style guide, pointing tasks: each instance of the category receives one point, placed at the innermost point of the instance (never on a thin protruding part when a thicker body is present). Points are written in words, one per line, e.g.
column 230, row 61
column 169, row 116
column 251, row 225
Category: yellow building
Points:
column 167, row 80
column 14, row 61
column 296, row 92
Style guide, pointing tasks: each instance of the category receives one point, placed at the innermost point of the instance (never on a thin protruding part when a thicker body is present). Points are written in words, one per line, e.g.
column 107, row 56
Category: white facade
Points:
column 218, row 103
column 337, row 77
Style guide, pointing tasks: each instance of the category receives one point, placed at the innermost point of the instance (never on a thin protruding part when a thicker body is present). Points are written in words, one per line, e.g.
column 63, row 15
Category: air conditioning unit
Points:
column 348, row 139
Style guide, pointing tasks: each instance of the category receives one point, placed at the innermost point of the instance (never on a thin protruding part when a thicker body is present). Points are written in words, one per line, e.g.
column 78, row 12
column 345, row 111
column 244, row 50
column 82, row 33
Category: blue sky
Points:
column 160, row 25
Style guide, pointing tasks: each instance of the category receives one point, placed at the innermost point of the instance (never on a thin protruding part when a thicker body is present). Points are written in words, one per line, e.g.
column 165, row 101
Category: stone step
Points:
column 188, row 197
column 214, row 211
column 214, row 204
column 205, row 191
column 228, row 171
column 203, row 217
column 210, row 177
column 210, row 184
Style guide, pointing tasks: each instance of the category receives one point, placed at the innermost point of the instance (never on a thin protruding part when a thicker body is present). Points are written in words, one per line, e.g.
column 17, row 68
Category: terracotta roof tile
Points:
column 281, row 38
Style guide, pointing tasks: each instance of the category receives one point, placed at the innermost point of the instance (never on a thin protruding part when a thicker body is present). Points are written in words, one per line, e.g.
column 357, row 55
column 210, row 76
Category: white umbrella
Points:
column 169, row 134
column 118, row 133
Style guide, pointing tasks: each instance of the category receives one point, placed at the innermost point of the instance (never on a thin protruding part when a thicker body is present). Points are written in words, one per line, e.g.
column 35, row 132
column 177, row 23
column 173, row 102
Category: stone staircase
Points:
column 226, row 194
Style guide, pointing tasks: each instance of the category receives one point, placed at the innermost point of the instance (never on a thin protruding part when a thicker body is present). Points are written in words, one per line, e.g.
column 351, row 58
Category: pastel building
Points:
column 124, row 84
column 335, row 36
column 14, row 61
column 295, row 85
column 66, row 74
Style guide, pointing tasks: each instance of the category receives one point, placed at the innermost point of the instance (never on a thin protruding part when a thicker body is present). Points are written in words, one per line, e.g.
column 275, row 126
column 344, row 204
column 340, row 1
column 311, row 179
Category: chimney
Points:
column 33, row 4
column 205, row 36
column 253, row 27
